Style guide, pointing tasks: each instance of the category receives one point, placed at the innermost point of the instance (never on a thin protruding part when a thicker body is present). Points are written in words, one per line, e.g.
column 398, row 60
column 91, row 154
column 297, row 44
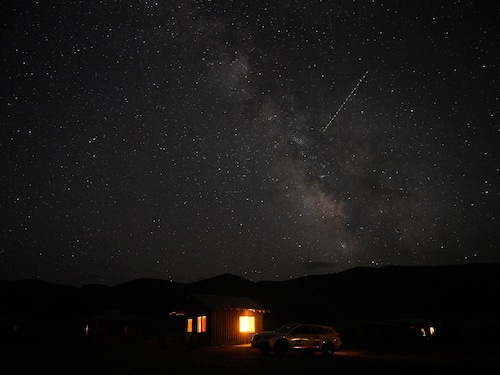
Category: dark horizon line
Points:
column 244, row 278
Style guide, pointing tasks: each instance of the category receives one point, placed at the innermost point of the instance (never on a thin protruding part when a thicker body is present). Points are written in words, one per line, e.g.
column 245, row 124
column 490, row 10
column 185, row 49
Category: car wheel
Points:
column 280, row 348
column 327, row 350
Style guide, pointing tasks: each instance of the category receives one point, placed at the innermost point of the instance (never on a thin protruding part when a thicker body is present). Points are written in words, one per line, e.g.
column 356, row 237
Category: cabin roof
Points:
column 228, row 302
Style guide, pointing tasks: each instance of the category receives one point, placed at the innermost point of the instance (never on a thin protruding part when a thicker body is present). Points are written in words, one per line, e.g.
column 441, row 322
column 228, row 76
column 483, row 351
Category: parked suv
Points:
column 305, row 337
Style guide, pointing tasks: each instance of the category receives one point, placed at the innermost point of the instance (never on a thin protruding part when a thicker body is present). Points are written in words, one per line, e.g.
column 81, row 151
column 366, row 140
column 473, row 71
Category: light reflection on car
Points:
column 304, row 337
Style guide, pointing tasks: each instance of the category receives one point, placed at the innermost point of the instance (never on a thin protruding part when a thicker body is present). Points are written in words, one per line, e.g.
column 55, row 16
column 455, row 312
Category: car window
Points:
column 319, row 330
column 284, row 328
column 301, row 330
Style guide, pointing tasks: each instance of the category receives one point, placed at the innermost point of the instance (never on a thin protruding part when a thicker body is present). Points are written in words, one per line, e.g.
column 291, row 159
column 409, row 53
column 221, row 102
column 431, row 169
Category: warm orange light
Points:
column 201, row 324
column 247, row 323
column 189, row 325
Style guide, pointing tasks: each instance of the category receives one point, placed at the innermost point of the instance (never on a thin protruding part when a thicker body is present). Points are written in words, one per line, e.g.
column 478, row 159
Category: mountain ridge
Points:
column 461, row 291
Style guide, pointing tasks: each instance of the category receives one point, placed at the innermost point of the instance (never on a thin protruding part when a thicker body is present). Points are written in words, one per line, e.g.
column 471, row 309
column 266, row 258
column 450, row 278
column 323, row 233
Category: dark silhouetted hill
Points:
column 444, row 292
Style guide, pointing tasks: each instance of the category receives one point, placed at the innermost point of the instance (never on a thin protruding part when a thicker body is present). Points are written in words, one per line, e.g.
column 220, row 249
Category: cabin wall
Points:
column 224, row 326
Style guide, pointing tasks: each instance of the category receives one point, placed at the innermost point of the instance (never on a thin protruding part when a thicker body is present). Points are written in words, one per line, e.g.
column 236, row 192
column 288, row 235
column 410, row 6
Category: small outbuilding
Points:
column 400, row 330
column 220, row 320
column 115, row 325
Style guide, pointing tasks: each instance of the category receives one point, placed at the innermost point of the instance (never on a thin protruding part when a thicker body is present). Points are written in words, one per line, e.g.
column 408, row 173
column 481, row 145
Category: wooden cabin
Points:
column 220, row 320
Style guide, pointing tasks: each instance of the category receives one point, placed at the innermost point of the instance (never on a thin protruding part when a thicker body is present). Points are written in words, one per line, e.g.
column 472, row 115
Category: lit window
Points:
column 189, row 325
column 201, row 324
column 247, row 323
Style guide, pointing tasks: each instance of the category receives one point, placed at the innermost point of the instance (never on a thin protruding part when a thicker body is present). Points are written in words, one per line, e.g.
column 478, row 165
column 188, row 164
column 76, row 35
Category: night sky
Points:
column 181, row 140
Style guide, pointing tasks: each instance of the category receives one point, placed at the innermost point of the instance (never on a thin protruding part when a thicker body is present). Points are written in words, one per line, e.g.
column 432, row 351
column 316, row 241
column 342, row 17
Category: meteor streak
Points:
column 345, row 101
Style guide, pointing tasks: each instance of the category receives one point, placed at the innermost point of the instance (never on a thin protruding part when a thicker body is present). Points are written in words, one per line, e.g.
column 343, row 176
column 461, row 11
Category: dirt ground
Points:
column 71, row 358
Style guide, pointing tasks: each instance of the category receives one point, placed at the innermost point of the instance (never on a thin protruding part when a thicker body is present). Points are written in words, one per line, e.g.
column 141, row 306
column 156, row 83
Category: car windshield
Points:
column 285, row 328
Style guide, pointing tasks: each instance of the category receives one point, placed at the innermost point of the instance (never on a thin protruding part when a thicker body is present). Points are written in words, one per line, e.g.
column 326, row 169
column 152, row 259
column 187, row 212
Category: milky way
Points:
column 182, row 140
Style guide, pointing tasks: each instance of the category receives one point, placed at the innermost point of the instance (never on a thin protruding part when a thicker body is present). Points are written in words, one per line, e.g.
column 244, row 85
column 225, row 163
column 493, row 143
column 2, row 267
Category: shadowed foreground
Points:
column 43, row 358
